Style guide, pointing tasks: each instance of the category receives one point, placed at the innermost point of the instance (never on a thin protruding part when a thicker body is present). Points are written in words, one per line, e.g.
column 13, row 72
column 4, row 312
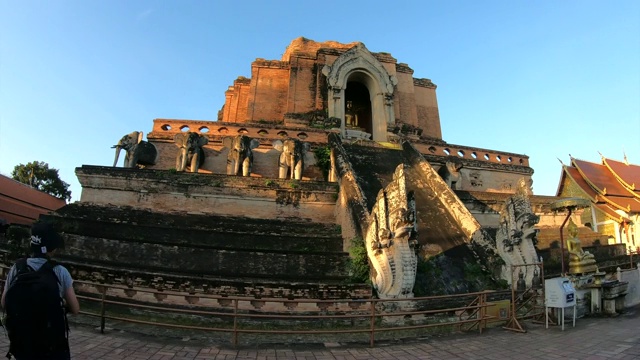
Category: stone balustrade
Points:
column 167, row 128
column 471, row 153
column 220, row 302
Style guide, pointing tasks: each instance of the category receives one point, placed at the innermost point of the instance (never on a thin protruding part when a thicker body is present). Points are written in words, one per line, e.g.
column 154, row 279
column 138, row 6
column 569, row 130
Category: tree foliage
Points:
column 358, row 265
column 38, row 175
column 323, row 159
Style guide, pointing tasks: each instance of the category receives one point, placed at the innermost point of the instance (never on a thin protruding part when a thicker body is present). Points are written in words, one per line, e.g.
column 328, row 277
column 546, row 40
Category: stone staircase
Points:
column 449, row 235
column 444, row 222
column 215, row 234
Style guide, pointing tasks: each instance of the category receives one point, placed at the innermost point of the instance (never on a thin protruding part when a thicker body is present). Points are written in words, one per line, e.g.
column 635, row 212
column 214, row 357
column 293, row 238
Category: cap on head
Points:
column 44, row 238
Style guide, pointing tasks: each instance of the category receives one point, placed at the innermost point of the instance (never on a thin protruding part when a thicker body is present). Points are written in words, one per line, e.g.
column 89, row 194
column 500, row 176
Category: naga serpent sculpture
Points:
column 391, row 240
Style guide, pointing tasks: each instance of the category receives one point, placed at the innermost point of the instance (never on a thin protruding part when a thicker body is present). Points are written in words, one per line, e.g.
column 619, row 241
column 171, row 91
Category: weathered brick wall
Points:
column 165, row 191
column 295, row 85
column 269, row 88
column 236, row 101
column 310, row 47
column 550, row 236
column 427, row 111
column 302, row 85
column 388, row 62
column 405, row 97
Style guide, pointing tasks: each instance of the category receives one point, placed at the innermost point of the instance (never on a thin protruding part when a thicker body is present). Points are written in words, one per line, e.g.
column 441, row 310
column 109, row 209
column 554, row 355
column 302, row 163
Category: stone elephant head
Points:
column 240, row 155
column 190, row 152
column 139, row 152
column 450, row 173
column 292, row 157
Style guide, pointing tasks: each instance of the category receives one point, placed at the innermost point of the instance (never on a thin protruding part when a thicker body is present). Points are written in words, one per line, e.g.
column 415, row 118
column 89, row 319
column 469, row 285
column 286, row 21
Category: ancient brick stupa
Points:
column 331, row 143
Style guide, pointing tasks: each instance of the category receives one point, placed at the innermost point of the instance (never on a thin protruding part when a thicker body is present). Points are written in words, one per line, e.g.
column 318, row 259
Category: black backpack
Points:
column 36, row 320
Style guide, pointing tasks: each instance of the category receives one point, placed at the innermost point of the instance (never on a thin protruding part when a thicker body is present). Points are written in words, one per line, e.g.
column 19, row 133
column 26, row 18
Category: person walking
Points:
column 37, row 295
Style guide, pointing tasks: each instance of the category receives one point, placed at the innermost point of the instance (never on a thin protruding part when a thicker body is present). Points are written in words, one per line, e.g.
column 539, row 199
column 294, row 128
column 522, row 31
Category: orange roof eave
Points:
column 614, row 204
column 631, row 187
column 586, row 179
column 610, row 213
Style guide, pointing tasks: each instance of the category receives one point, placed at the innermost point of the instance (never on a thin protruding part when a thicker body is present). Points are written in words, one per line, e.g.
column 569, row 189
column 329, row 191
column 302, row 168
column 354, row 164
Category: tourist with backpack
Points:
column 37, row 294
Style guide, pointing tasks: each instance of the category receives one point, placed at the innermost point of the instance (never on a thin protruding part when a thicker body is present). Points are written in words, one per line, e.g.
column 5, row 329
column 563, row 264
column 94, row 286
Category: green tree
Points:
column 323, row 159
column 38, row 175
column 358, row 265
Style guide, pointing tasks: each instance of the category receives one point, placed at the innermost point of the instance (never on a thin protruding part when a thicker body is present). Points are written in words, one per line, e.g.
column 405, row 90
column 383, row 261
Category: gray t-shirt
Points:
column 64, row 278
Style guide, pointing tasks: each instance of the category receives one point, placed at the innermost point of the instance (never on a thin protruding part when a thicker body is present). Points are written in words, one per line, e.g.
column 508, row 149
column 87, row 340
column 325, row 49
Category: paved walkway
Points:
column 591, row 339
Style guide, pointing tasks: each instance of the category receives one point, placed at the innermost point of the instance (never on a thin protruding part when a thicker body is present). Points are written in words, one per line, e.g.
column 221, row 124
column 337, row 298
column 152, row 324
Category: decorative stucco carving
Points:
column 516, row 237
column 475, row 179
column 358, row 58
column 326, row 70
column 391, row 239
column 358, row 64
column 388, row 99
column 450, row 173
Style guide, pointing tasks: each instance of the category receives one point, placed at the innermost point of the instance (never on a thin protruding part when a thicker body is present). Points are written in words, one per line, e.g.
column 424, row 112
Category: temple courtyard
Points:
column 593, row 338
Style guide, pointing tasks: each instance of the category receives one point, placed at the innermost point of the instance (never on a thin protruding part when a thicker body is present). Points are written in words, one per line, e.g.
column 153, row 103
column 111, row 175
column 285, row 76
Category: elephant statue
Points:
column 191, row 152
column 292, row 157
column 450, row 173
column 240, row 154
column 139, row 152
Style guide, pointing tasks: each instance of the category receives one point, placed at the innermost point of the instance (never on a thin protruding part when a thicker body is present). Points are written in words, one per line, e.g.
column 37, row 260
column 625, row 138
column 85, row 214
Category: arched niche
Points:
column 358, row 66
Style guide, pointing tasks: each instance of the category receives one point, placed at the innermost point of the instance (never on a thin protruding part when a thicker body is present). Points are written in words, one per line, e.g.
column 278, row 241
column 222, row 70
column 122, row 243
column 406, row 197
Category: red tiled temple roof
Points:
column 627, row 204
column 579, row 180
column 21, row 204
column 610, row 186
column 627, row 174
column 600, row 178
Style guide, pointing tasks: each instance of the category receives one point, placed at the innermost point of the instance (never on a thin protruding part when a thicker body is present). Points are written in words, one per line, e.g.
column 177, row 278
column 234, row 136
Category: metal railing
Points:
column 370, row 316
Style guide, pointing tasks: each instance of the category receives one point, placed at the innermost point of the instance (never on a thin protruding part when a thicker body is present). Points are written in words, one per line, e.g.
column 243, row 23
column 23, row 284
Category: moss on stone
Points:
column 323, row 159
column 358, row 266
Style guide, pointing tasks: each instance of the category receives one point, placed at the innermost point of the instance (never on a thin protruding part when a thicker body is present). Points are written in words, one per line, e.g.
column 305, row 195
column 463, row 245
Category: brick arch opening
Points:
column 359, row 66
column 357, row 107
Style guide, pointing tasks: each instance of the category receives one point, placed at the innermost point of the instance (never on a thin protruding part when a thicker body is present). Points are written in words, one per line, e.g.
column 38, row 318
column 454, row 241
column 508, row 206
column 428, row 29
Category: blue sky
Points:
column 541, row 78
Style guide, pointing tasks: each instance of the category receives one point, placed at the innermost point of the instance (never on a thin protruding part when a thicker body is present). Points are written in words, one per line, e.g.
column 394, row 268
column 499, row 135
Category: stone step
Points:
column 170, row 191
column 203, row 231
column 195, row 261
column 201, row 245
column 217, row 285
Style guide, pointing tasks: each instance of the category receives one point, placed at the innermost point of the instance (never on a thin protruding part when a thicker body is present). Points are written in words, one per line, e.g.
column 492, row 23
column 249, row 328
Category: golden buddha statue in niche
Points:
column 351, row 116
column 580, row 261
